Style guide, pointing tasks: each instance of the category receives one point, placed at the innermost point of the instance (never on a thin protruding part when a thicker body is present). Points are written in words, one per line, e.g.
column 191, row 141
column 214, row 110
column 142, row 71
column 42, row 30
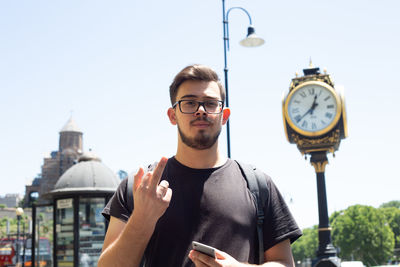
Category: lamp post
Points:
column 251, row 40
column 19, row 212
column 23, row 242
column 39, row 219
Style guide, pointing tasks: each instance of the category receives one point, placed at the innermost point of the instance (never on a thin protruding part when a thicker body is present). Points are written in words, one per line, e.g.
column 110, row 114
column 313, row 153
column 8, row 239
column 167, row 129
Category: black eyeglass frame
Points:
column 199, row 103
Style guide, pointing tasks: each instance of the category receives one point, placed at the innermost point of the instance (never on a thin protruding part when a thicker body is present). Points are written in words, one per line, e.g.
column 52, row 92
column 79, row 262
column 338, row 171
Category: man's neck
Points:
column 200, row 159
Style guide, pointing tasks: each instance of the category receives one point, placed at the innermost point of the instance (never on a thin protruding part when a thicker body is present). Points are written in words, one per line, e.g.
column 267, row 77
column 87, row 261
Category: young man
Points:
column 202, row 195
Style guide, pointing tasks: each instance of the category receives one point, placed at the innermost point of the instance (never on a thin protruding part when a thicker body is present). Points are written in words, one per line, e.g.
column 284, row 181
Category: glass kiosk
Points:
column 78, row 198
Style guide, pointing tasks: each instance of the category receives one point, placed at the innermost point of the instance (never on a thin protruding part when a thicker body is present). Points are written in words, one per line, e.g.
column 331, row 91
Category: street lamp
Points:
column 19, row 212
column 251, row 40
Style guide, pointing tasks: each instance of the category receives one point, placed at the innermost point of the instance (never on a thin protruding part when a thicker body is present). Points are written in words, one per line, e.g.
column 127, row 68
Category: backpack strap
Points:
column 258, row 188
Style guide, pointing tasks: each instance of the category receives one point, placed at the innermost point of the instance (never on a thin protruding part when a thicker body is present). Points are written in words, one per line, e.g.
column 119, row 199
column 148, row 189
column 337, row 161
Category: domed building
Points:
column 78, row 197
column 69, row 195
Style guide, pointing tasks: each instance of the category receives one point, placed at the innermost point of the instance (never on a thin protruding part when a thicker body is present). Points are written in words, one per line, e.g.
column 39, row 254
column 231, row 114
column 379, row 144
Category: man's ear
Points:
column 225, row 115
column 172, row 116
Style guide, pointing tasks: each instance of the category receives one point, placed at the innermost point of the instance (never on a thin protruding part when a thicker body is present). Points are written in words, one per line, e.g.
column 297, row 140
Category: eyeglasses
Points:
column 192, row 106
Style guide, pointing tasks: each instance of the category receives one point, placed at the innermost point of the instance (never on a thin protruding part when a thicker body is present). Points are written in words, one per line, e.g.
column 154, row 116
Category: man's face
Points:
column 199, row 130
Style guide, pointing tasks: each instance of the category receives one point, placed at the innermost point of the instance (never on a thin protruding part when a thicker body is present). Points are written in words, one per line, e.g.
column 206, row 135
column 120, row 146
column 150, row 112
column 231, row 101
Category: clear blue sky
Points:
column 111, row 63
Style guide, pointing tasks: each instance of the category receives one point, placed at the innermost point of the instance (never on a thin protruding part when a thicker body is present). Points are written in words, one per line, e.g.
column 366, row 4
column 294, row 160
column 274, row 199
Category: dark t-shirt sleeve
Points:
column 117, row 206
column 279, row 223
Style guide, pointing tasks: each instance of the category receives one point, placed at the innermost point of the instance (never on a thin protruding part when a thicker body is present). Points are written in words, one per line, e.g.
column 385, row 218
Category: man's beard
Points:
column 202, row 140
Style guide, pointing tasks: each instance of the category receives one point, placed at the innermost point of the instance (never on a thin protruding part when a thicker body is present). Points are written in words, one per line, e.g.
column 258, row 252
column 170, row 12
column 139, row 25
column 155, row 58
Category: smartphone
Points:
column 210, row 251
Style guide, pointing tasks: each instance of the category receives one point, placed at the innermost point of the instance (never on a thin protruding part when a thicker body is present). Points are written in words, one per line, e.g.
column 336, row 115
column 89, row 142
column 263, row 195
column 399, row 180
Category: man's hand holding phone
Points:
column 203, row 255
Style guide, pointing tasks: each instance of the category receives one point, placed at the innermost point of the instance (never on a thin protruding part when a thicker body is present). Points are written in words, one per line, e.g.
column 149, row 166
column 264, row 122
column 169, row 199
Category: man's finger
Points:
column 137, row 178
column 168, row 195
column 156, row 177
column 201, row 259
column 162, row 188
column 146, row 179
column 220, row 255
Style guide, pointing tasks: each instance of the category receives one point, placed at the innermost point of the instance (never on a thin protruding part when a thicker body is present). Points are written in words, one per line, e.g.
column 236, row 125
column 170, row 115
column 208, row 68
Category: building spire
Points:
column 70, row 126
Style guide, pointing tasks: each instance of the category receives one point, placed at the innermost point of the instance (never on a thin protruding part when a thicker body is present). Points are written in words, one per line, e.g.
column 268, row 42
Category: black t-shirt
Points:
column 211, row 206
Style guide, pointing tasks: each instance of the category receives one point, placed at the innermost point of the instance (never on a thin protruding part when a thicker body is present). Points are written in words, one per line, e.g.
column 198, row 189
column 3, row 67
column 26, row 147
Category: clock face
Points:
column 313, row 108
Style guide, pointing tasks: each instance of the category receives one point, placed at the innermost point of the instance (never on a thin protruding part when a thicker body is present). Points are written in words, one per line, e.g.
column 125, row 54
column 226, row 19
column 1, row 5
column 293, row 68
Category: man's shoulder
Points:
column 249, row 169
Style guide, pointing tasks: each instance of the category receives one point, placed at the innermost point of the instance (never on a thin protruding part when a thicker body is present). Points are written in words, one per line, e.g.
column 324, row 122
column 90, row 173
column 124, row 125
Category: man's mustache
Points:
column 205, row 119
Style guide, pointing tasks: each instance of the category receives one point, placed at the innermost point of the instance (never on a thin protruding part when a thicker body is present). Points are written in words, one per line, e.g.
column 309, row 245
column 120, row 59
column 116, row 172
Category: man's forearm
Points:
column 129, row 247
column 124, row 245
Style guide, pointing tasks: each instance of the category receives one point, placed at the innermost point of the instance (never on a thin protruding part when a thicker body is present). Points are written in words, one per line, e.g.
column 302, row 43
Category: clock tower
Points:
column 314, row 119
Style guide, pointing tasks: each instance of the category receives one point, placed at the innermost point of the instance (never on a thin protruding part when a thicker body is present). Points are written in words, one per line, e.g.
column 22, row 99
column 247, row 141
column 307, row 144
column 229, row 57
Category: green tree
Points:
column 363, row 233
column 13, row 222
column 3, row 226
column 334, row 215
column 306, row 246
column 392, row 215
column 393, row 203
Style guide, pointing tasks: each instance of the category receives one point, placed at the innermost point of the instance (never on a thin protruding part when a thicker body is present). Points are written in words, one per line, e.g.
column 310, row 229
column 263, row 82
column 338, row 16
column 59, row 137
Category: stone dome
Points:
column 87, row 176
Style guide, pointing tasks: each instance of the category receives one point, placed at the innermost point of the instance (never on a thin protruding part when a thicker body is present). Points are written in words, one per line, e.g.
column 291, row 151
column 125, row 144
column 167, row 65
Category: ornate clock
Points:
column 314, row 113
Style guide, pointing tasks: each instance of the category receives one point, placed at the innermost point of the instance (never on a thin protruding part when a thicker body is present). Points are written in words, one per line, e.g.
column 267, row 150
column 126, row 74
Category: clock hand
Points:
column 311, row 110
column 300, row 118
column 314, row 104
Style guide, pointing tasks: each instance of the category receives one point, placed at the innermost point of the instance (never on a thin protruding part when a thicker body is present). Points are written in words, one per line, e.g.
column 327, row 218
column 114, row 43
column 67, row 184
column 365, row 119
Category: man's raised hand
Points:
column 151, row 197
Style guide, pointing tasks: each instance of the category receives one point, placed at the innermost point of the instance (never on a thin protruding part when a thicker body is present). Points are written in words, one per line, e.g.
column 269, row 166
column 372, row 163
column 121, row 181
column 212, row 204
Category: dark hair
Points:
column 194, row 73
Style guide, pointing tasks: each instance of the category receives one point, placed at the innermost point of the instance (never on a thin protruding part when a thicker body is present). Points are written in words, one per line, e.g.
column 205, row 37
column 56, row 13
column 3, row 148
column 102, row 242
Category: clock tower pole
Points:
column 326, row 253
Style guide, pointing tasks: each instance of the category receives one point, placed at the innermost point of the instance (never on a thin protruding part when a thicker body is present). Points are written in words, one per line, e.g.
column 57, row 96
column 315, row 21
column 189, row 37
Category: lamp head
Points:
column 252, row 40
column 19, row 211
